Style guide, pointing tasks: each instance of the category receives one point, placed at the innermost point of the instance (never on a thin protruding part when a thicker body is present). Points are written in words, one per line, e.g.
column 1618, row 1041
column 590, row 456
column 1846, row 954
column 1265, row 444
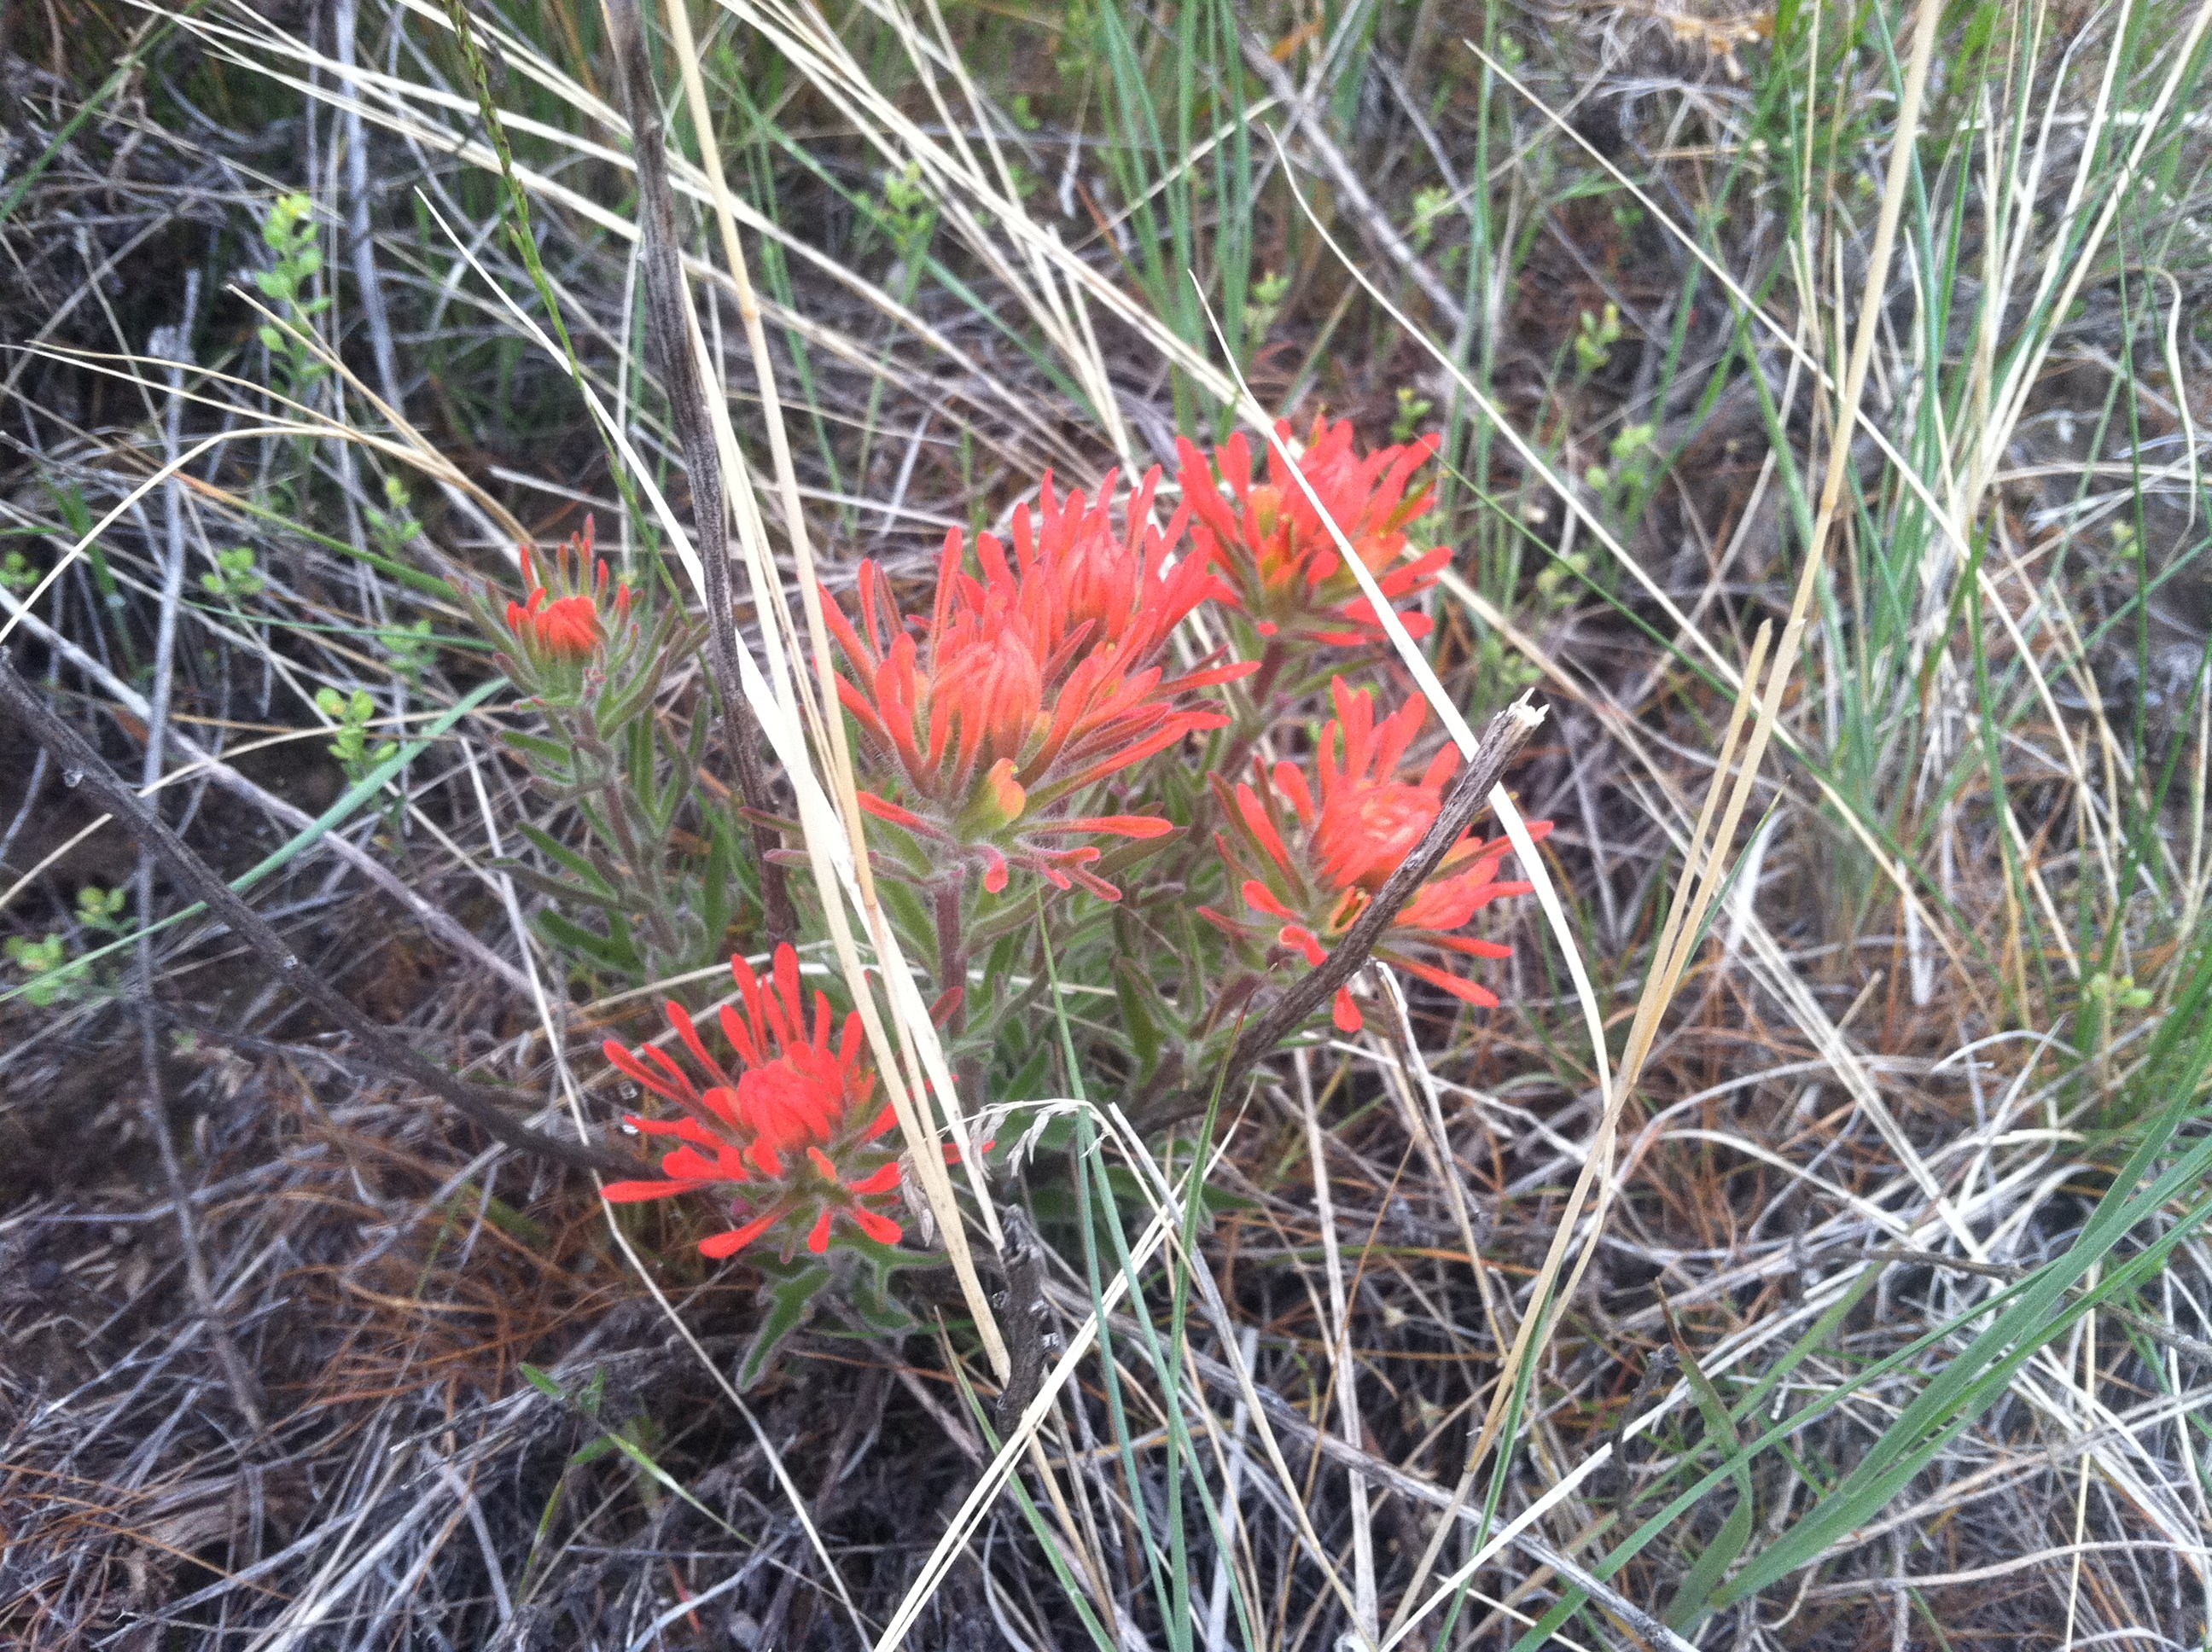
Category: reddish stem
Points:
column 951, row 945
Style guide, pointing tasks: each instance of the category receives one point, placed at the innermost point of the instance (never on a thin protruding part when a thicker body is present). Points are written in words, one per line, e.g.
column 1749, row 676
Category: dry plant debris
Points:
column 1037, row 529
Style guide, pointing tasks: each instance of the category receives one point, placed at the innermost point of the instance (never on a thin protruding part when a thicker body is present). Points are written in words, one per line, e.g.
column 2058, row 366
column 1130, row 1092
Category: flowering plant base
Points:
column 1059, row 707
column 592, row 659
column 857, row 1276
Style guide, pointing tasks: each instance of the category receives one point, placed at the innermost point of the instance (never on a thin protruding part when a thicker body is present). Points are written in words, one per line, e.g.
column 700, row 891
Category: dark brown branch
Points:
column 669, row 319
column 1501, row 741
column 1031, row 1340
column 484, row 1105
column 1507, row 733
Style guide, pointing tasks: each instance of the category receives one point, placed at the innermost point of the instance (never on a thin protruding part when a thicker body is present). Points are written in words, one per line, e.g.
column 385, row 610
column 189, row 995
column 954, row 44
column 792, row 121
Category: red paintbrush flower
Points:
column 1283, row 564
column 565, row 621
column 1030, row 683
column 566, row 628
column 794, row 1133
column 1308, row 864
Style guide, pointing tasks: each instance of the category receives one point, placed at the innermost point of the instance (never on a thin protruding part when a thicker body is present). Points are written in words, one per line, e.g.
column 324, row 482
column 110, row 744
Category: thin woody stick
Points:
column 484, row 1105
column 1501, row 741
column 1507, row 733
column 668, row 310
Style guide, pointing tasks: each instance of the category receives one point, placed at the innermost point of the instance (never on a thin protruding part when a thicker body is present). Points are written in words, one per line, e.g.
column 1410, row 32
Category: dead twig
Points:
column 245, row 1389
column 1502, row 740
column 482, row 1104
column 1031, row 1338
column 293, row 818
column 669, row 317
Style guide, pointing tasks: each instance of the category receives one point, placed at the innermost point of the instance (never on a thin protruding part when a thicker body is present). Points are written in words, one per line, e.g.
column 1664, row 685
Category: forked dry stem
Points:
column 480, row 1103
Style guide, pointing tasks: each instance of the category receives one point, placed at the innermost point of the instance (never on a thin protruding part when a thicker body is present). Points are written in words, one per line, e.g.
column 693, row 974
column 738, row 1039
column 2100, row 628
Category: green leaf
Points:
column 616, row 953
column 790, row 1301
column 1033, row 1074
column 531, row 745
column 715, row 904
column 618, row 927
column 591, row 1452
column 463, row 1206
column 1206, row 1201
column 1134, row 993
column 554, row 850
column 543, row 1382
column 555, row 889
column 1710, row 1567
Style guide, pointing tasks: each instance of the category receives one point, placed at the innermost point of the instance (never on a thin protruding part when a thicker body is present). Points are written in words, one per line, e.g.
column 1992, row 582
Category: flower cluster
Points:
column 560, row 623
column 1277, row 554
column 991, row 729
column 1033, row 680
column 1308, row 857
column 791, row 1140
column 576, row 629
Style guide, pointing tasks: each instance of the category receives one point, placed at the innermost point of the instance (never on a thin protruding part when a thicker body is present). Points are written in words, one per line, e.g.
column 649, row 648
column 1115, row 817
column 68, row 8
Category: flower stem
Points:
column 1252, row 716
column 645, row 876
column 952, row 944
column 1271, row 667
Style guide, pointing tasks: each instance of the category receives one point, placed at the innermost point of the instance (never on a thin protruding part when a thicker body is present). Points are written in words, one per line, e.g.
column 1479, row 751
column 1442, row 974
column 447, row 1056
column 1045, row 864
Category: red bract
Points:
column 568, row 628
column 1307, row 859
column 1030, row 684
column 1279, row 556
column 562, row 624
column 791, row 1138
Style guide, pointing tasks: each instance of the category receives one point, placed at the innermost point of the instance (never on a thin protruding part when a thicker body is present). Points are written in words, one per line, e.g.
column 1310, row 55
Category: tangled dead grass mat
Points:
column 292, row 1357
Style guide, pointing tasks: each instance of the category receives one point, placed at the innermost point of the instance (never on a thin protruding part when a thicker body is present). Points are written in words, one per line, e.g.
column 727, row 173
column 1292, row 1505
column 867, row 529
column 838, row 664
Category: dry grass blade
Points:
column 1021, row 1439
column 675, row 329
column 1826, row 381
column 1704, row 869
column 915, row 1031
